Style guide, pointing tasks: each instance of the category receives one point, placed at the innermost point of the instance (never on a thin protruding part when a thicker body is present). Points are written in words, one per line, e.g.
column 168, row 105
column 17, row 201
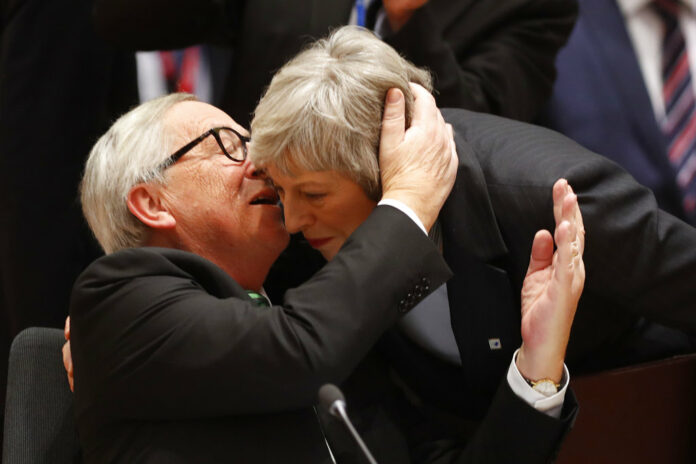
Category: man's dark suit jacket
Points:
column 173, row 363
column 640, row 261
column 601, row 101
column 491, row 56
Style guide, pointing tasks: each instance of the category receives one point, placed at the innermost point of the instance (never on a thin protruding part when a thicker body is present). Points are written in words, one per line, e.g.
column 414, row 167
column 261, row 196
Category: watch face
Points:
column 545, row 387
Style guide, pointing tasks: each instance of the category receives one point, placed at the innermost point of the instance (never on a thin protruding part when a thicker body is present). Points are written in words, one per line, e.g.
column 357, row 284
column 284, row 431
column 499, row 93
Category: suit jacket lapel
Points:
column 480, row 294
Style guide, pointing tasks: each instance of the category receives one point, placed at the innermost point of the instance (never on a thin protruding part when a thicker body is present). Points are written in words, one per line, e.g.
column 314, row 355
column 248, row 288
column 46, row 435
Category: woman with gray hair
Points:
column 321, row 111
column 316, row 132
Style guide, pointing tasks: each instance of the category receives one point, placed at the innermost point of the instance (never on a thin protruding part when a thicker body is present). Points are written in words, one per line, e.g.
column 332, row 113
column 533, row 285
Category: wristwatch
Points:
column 546, row 387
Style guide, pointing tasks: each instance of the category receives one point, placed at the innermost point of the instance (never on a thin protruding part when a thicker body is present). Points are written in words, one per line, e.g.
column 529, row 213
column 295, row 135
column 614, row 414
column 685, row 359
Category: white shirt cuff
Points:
column 404, row 209
column 550, row 405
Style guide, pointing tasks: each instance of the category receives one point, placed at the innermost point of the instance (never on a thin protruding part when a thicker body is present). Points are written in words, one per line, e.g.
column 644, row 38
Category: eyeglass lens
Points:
column 231, row 143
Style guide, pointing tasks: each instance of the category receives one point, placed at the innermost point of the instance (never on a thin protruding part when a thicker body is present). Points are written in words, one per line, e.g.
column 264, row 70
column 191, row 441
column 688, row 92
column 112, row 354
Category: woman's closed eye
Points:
column 314, row 195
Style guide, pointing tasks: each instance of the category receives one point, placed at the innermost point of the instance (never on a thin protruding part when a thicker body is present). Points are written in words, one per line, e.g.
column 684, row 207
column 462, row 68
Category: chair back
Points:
column 638, row 414
column 39, row 422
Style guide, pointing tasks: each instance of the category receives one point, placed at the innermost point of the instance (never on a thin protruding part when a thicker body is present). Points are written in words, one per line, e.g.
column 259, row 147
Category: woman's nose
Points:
column 297, row 219
column 252, row 172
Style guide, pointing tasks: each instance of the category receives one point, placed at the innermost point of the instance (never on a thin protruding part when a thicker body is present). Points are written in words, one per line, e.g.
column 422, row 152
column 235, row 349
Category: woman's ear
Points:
column 145, row 202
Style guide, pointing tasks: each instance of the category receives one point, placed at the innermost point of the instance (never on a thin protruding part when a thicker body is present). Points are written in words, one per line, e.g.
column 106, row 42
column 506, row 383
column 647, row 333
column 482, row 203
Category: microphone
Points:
column 331, row 398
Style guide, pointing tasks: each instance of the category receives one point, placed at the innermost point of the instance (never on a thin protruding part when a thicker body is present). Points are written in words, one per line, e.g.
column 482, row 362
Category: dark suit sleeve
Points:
column 512, row 431
column 162, row 346
column 640, row 260
column 489, row 56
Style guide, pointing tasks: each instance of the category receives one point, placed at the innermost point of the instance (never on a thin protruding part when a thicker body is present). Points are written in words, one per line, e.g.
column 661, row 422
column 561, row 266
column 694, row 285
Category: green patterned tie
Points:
column 258, row 299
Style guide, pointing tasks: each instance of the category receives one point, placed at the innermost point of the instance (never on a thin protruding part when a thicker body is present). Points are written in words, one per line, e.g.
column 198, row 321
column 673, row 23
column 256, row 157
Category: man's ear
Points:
column 145, row 202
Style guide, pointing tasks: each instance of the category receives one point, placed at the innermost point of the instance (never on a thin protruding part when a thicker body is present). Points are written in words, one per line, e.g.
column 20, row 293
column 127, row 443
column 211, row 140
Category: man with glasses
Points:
column 232, row 144
column 177, row 361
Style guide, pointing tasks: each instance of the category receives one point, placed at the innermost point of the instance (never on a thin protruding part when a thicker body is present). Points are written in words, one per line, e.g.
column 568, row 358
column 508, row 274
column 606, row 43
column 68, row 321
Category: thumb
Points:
column 542, row 251
column 393, row 120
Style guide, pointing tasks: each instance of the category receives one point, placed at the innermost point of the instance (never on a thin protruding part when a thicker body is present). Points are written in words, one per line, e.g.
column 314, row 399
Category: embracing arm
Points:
column 161, row 346
column 512, row 431
column 488, row 56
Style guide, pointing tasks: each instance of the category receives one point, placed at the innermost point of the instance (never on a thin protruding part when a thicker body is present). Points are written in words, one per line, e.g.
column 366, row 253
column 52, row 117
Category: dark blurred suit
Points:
column 600, row 100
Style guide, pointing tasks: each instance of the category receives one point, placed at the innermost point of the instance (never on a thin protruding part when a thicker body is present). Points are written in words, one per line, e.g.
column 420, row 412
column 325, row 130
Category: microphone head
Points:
column 328, row 395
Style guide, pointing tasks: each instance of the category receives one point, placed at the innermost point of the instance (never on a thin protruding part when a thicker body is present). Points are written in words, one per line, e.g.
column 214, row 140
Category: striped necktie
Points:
column 258, row 299
column 679, row 124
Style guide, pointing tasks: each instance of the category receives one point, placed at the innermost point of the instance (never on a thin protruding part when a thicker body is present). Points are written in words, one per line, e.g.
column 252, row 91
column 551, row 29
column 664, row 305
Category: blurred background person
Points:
column 492, row 56
column 625, row 89
column 61, row 87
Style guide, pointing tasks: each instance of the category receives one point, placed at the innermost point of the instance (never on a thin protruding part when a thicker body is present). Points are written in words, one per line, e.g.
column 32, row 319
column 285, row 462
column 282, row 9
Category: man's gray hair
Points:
column 129, row 153
column 323, row 109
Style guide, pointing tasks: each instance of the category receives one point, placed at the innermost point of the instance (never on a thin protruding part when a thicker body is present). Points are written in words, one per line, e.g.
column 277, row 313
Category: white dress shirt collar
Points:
column 631, row 7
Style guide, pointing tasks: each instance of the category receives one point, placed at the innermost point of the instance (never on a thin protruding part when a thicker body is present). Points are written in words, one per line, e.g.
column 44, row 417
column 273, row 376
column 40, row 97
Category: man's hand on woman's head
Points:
column 418, row 164
column 67, row 356
column 552, row 288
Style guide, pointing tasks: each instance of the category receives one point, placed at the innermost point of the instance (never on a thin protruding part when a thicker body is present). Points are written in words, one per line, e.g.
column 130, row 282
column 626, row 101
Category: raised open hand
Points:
column 551, row 289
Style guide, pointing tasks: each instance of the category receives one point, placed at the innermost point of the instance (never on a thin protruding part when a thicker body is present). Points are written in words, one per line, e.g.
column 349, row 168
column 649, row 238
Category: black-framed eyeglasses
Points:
column 232, row 143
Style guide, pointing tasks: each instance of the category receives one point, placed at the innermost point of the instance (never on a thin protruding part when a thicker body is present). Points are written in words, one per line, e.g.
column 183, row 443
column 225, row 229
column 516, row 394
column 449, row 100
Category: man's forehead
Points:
column 192, row 118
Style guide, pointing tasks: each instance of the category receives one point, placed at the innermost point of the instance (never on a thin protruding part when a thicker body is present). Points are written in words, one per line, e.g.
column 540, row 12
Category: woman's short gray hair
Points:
column 323, row 109
column 129, row 153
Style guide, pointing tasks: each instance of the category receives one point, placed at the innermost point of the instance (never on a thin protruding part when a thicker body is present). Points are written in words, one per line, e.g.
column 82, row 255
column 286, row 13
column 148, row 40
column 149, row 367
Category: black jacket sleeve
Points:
column 158, row 335
column 512, row 431
column 640, row 261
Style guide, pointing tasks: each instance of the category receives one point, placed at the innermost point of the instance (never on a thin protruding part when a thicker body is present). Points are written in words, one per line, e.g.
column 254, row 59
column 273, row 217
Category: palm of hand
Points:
column 538, row 302
column 551, row 289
